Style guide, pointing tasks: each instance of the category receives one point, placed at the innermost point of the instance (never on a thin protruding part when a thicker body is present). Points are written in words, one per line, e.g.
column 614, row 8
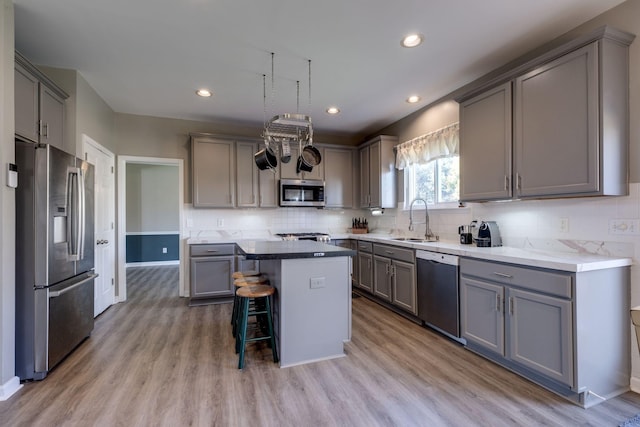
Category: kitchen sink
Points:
column 414, row 239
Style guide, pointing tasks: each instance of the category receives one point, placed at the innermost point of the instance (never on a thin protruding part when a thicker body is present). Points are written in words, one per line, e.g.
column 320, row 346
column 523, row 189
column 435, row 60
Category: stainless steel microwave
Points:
column 301, row 192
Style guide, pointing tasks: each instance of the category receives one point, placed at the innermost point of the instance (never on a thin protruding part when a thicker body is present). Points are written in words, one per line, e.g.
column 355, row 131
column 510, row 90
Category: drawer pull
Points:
column 212, row 250
column 508, row 276
column 389, row 252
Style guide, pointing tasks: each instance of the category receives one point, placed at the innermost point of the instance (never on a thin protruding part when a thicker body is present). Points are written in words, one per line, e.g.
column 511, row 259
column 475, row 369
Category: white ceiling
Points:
column 148, row 57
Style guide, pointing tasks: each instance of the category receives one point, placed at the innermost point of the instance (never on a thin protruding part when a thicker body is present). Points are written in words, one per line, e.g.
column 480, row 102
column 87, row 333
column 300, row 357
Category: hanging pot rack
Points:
column 284, row 129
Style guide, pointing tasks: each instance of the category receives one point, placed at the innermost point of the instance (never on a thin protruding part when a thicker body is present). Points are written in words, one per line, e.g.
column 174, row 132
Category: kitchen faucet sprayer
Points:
column 427, row 233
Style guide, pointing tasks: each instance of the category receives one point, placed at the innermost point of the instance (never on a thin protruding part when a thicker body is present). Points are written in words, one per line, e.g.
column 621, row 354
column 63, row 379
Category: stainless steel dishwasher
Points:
column 438, row 295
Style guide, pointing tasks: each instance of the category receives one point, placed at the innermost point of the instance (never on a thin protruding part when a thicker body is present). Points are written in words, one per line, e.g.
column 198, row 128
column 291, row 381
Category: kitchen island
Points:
column 312, row 305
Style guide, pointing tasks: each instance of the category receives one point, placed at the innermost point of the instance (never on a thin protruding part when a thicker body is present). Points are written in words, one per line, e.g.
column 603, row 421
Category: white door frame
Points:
column 122, row 216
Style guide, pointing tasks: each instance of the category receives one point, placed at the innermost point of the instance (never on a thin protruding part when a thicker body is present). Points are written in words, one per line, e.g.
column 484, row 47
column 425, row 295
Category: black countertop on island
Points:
column 290, row 249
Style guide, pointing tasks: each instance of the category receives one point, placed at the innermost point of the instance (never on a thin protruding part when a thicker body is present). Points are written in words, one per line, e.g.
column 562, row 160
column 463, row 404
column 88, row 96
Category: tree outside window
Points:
column 438, row 182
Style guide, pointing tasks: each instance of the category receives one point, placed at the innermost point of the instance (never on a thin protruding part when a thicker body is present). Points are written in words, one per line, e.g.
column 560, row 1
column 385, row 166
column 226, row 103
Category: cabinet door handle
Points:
column 508, row 276
column 498, row 303
column 519, row 181
column 46, row 130
column 506, row 182
column 511, row 305
column 39, row 127
column 387, row 268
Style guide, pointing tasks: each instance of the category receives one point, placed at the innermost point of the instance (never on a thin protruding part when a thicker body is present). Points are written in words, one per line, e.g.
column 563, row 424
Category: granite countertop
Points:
column 290, row 249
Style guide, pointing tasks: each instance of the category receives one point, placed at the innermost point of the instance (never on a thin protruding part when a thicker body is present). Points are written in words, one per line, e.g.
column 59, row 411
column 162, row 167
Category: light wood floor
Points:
column 154, row 361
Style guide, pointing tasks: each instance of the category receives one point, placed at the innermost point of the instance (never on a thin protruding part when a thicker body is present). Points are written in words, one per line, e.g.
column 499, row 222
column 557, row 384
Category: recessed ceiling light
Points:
column 413, row 99
column 333, row 110
column 412, row 40
column 205, row 93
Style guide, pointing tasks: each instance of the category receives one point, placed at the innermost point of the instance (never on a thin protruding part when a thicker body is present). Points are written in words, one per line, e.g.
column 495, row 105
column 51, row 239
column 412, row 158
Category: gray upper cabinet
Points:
column 246, row 175
column 485, row 155
column 378, row 173
column 339, row 170
column 556, row 127
column 268, row 182
column 254, row 187
column 213, row 172
column 39, row 106
column 566, row 124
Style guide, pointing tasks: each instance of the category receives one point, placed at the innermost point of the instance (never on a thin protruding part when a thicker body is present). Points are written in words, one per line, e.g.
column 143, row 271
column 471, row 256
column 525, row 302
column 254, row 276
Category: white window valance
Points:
column 431, row 146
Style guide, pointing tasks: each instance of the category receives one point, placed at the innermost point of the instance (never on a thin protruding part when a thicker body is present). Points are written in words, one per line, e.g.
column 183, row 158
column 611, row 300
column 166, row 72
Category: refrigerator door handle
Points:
column 81, row 213
column 54, row 294
column 74, row 200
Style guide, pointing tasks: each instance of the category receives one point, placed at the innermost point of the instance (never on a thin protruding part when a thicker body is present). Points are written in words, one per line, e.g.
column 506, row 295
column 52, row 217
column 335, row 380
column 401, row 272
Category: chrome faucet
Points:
column 428, row 235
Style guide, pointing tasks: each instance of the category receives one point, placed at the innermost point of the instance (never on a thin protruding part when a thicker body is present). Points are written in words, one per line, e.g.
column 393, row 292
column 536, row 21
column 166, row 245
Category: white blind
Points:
column 443, row 142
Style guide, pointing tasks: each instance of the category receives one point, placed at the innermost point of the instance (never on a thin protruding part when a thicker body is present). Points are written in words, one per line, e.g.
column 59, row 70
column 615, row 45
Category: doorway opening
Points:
column 150, row 212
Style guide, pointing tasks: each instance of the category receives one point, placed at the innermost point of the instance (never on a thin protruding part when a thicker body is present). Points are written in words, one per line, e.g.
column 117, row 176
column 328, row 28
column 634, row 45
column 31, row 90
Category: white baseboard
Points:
column 9, row 388
column 152, row 263
column 635, row 384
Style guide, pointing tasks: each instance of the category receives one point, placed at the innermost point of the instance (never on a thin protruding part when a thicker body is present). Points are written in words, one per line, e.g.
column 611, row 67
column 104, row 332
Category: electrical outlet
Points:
column 220, row 222
column 164, row 250
column 316, row 282
column 624, row 226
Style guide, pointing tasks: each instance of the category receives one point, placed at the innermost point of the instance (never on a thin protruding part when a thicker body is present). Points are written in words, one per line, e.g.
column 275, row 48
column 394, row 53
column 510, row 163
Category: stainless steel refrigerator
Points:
column 54, row 257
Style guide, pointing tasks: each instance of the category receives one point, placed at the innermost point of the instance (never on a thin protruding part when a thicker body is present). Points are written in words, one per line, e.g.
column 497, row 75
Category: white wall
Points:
column 8, row 381
column 152, row 198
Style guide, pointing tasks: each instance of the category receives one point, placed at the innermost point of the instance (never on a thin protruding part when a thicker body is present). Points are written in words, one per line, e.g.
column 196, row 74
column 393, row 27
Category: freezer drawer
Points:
column 70, row 317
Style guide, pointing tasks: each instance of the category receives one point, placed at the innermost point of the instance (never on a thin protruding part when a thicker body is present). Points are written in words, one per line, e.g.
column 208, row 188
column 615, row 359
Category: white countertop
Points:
column 565, row 261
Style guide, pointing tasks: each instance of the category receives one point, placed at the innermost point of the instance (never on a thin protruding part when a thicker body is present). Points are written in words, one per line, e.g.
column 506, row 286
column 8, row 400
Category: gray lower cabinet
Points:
column 350, row 244
column 365, row 266
column 394, row 276
column 382, row 277
column 211, row 270
column 568, row 332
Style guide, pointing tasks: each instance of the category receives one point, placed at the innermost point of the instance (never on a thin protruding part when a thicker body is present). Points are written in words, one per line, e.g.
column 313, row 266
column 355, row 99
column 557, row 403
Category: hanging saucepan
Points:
column 311, row 155
column 266, row 158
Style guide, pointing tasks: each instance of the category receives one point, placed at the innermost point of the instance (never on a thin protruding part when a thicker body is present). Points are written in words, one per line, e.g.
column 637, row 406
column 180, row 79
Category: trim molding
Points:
column 635, row 384
column 9, row 388
column 152, row 263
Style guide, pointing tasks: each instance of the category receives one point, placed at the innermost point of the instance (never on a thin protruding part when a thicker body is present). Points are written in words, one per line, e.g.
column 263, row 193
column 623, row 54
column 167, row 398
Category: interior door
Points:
column 104, row 191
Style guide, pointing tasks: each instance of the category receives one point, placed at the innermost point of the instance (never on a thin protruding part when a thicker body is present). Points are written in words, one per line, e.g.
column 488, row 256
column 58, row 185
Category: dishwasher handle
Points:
column 438, row 257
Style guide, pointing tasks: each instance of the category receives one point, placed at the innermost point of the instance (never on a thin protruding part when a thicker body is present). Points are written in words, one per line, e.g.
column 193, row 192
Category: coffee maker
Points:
column 488, row 235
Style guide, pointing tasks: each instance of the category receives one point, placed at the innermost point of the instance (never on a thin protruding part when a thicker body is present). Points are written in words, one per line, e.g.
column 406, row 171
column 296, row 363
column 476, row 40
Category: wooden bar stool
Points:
column 238, row 283
column 246, row 273
column 257, row 293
